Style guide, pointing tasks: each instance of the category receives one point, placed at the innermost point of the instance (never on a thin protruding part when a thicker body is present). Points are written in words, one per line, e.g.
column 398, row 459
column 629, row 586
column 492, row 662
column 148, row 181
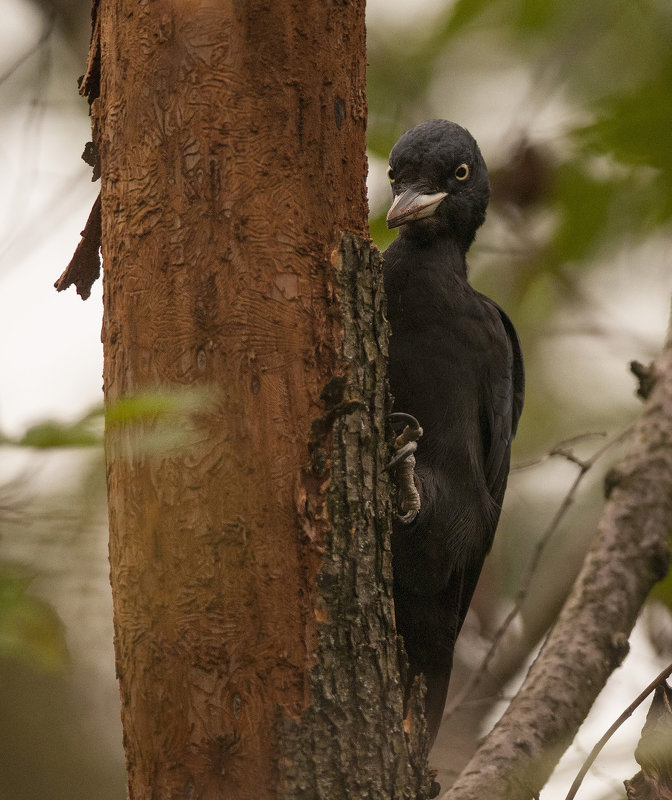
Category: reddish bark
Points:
column 231, row 144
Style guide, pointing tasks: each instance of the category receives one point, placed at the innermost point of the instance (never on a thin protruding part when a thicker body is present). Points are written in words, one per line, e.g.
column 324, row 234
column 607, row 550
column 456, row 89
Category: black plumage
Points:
column 455, row 363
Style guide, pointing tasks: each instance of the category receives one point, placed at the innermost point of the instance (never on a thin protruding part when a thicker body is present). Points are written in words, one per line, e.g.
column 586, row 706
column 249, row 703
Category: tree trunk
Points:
column 250, row 565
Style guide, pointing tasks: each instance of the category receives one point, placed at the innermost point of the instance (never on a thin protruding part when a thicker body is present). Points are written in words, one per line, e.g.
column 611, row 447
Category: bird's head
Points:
column 440, row 183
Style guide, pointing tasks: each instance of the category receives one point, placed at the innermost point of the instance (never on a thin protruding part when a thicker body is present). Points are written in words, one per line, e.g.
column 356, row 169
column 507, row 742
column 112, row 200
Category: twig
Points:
column 613, row 728
column 561, row 449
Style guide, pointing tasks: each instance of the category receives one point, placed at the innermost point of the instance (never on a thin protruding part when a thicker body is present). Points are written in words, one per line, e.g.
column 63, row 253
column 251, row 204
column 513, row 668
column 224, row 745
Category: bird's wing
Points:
column 518, row 370
column 504, row 405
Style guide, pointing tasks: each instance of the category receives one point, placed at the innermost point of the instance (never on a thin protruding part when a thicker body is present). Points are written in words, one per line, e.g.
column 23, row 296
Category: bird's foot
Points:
column 405, row 446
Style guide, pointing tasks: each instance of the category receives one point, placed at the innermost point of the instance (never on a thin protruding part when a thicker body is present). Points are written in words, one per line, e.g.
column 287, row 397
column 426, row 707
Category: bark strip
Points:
column 351, row 741
column 84, row 267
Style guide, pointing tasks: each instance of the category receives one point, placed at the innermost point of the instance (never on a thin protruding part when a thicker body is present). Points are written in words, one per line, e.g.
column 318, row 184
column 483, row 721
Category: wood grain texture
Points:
column 231, row 142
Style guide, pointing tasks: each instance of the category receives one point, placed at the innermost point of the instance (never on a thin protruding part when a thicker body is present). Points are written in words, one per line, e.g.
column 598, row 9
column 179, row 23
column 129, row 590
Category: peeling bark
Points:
column 84, row 267
column 250, row 567
column 590, row 637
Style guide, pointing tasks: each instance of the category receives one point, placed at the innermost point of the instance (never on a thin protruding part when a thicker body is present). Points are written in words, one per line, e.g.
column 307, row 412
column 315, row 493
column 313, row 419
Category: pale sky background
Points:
column 51, row 356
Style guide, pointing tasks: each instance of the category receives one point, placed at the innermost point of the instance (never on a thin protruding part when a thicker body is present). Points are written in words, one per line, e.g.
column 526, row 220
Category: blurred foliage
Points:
column 30, row 629
column 163, row 421
column 59, row 434
column 167, row 417
column 173, row 406
column 611, row 63
column 53, row 545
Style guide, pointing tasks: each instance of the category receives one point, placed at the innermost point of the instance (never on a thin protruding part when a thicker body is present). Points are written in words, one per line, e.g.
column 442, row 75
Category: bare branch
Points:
column 590, row 637
column 560, row 449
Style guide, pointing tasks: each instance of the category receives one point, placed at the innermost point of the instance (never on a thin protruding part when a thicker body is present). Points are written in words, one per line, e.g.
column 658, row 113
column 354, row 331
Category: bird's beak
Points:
column 411, row 205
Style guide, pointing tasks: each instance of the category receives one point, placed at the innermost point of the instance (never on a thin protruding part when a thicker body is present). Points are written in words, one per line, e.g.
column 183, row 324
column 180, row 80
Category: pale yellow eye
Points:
column 390, row 174
column 462, row 172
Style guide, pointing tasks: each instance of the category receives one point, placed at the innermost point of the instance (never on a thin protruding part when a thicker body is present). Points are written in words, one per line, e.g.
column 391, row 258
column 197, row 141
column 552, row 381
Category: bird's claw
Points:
column 406, row 444
column 411, row 422
column 402, row 453
column 409, row 516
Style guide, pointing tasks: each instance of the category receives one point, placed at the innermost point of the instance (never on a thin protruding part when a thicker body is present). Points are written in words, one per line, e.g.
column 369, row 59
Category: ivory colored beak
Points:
column 411, row 205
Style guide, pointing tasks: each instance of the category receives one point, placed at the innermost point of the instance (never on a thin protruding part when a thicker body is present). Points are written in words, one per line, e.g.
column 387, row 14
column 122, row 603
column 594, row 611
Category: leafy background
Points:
column 571, row 105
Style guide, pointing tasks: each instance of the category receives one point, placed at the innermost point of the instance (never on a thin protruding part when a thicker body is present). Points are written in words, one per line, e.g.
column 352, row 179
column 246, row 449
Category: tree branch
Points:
column 589, row 639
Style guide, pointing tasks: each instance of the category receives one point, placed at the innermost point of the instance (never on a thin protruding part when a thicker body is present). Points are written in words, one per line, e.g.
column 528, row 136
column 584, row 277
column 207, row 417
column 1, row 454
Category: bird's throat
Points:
column 436, row 252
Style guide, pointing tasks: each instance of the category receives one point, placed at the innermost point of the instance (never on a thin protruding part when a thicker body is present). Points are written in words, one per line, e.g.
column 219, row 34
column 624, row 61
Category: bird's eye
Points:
column 390, row 174
column 462, row 172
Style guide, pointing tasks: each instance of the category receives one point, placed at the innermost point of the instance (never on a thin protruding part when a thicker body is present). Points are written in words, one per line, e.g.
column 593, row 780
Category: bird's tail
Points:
column 436, row 681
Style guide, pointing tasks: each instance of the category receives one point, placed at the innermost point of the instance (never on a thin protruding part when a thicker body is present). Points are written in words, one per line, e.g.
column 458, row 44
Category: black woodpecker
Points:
column 455, row 364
